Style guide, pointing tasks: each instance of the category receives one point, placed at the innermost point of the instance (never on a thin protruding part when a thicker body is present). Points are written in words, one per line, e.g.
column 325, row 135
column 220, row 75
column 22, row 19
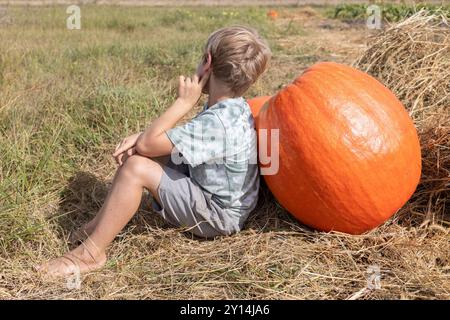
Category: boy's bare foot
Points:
column 78, row 236
column 78, row 260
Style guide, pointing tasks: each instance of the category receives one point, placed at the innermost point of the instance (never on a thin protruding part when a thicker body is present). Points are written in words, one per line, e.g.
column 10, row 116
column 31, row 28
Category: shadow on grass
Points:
column 270, row 216
column 83, row 197
column 85, row 193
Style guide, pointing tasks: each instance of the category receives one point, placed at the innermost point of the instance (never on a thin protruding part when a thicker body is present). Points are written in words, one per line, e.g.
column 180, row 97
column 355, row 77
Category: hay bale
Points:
column 412, row 58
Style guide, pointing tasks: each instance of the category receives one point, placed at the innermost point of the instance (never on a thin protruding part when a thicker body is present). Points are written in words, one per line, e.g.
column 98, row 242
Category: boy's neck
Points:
column 213, row 100
column 217, row 92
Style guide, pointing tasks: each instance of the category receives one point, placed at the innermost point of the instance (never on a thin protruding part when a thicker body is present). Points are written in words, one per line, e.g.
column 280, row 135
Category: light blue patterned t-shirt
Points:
column 220, row 148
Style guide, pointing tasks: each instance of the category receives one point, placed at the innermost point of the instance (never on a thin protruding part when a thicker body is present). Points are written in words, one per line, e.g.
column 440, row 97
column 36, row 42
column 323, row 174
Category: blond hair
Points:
column 239, row 56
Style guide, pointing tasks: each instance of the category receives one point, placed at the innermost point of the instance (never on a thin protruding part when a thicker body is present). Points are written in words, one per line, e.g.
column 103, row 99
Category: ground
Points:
column 67, row 97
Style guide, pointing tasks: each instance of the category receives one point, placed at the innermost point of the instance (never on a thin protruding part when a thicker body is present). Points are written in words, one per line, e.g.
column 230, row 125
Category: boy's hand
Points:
column 121, row 158
column 190, row 90
column 126, row 148
column 154, row 142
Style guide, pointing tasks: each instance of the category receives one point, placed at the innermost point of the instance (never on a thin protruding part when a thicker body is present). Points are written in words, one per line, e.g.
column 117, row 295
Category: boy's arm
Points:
column 153, row 142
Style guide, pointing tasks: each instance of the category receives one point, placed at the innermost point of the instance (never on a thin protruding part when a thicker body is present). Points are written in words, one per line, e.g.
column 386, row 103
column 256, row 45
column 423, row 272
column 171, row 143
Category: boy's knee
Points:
column 137, row 165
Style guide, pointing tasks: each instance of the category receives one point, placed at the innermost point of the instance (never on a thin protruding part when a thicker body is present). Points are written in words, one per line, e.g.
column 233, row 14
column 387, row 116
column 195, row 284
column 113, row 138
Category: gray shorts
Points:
column 185, row 204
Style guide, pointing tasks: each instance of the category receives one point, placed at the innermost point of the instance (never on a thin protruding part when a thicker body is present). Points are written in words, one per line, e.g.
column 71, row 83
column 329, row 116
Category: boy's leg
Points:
column 86, row 230
column 121, row 204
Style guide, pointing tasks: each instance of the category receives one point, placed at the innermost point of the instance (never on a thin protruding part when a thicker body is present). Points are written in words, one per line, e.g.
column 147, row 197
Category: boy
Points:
column 210, row 183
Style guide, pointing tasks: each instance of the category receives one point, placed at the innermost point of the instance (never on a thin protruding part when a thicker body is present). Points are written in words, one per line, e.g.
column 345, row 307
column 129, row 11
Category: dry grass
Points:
column 273, row 258
column 412, row 58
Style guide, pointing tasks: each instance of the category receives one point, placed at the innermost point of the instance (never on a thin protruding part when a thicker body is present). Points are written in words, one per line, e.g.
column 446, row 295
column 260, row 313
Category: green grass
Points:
column 67, row 96
column 390, row 12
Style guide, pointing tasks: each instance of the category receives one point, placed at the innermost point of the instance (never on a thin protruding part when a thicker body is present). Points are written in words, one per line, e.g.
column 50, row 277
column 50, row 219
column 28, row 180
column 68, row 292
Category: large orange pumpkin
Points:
column 349, row 154
column 257, row 103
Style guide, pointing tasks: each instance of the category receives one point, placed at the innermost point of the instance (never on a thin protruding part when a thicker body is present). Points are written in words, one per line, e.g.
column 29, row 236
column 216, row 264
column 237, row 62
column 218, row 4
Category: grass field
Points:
column 68, row 96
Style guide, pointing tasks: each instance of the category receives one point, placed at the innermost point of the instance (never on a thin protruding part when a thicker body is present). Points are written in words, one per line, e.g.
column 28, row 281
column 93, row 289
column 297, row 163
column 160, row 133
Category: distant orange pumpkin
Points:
column 272, row 14
column 349, row 154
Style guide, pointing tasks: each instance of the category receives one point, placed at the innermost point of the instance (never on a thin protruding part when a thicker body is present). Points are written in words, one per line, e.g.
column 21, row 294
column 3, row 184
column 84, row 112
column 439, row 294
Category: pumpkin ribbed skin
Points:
column 349, row 153
column 257, row 103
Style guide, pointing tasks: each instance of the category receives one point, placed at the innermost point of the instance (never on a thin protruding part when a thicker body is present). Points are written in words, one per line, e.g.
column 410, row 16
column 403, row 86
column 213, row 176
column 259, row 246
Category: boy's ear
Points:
column 208, row 61
column 205, row 65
